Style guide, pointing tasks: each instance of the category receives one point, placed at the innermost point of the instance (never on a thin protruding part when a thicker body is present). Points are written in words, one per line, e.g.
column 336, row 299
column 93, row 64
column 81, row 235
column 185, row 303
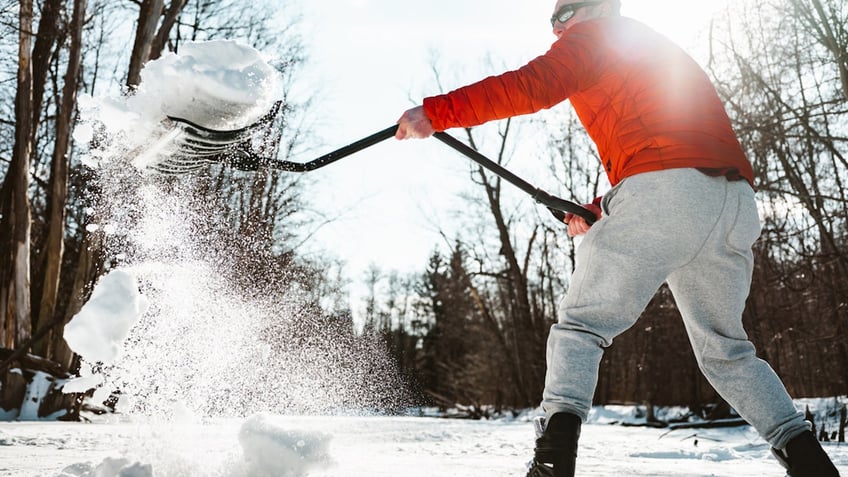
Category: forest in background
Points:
column 471, row 328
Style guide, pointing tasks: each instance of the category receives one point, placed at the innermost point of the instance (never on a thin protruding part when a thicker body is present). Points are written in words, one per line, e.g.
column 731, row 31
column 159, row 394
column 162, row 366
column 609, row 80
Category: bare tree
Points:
column 781, row 71
column 45, row 43
column 15, row 221
column 148, row 19
column 53, row 250
column 827, row 23
column 169, row 19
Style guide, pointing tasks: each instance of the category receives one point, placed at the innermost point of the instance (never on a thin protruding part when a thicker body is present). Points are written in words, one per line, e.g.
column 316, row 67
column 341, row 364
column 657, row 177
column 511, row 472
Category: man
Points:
column 681, row 211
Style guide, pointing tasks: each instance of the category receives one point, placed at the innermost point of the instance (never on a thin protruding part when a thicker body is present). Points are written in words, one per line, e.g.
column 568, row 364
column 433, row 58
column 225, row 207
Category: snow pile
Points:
column 35, row 393
column 271, row 449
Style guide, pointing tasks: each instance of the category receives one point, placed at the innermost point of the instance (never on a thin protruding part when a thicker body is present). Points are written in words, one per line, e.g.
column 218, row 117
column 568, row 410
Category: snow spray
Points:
column 201, row 343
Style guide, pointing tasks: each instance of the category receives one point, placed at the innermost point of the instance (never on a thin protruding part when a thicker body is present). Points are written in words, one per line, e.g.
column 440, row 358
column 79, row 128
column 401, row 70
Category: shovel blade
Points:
column 188, row 147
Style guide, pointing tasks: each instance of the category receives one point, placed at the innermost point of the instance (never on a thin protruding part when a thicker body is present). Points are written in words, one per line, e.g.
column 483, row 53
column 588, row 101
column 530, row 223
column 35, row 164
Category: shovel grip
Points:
column 559, row 207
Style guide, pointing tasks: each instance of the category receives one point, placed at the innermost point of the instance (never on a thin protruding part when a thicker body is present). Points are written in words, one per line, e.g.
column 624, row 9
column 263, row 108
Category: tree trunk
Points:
column 15, row 223
column 58, row 187
column 148, row 18
column 45, row 40
column 168, row 21
column 516, row 303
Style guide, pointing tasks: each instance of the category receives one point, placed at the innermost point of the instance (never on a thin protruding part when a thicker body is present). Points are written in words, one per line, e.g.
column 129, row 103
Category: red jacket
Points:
column 644, row 102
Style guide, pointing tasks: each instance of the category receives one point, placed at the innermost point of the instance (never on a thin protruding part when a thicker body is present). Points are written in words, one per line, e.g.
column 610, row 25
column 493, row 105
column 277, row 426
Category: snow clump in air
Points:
column 98, row 331
column 217, row 84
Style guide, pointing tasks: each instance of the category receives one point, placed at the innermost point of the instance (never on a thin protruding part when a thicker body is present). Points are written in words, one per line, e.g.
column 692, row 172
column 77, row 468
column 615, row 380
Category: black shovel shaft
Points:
column 340, row 153
column 554, row 204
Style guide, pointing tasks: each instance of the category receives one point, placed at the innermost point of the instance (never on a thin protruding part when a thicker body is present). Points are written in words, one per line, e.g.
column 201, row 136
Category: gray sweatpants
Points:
column 694, row 232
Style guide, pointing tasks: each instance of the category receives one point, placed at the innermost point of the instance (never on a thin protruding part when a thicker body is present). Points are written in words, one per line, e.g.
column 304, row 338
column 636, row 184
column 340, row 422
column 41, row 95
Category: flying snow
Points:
column 170, row 327
column 168, row 332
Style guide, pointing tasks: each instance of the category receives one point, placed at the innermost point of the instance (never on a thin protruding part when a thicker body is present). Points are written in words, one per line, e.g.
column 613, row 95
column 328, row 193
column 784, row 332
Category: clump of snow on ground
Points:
column 272, row 449
column 110, row 467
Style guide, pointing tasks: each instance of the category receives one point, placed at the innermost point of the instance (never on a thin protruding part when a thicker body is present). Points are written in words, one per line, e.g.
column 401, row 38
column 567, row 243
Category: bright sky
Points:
column 370, row 59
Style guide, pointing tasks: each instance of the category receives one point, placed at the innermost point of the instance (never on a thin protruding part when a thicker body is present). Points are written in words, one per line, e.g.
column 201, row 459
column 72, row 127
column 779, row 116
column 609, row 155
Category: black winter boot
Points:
column 804, row 457
column 556, row 448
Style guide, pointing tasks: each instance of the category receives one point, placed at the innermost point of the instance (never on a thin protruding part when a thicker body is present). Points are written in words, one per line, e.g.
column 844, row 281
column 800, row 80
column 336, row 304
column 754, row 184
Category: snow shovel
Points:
column 195, row 146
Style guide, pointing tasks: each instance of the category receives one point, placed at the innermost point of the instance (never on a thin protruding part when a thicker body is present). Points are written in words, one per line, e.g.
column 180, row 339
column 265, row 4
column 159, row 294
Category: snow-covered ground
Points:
column 266, row 445
column 181, row 347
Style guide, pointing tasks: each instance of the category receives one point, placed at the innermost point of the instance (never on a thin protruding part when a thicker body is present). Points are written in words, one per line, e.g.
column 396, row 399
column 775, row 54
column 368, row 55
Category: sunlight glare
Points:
column 681, row 21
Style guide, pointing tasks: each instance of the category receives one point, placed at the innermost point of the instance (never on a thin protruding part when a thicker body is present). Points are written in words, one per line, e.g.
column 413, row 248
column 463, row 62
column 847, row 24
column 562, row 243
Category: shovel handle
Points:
column 339, row 153
column 556, row 205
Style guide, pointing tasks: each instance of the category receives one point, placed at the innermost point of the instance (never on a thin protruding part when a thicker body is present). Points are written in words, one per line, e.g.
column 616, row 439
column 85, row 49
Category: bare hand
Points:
column 414, row 124
column 577, row 225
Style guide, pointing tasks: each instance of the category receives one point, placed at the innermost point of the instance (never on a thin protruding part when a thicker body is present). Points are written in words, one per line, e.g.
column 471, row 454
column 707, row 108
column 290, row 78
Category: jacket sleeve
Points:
column 542, row 83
